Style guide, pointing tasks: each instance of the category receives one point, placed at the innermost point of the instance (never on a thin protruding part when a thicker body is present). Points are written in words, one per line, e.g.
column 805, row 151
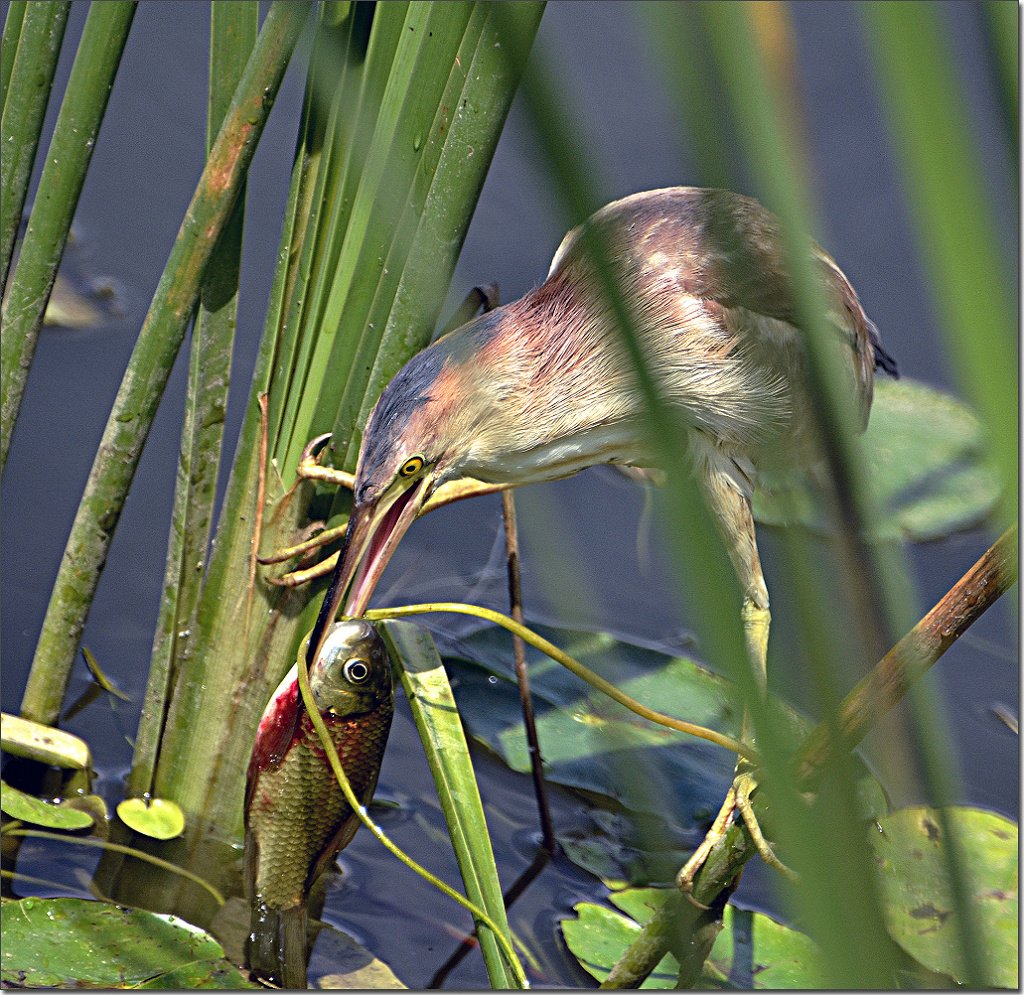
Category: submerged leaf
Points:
column 27, row 808
column 339, row 962
column 924, row 459
column 919, row 908
column 159, row 818
column 752, row 951
column 74, row 943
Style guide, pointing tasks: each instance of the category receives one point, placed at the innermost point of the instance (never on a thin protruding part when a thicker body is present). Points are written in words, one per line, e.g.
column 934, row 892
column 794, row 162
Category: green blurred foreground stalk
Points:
column 689, row 931
column 151, row 362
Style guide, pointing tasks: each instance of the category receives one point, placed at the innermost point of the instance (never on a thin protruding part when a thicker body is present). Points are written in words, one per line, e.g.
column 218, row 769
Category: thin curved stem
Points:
column 584, row 673
column 129, row 851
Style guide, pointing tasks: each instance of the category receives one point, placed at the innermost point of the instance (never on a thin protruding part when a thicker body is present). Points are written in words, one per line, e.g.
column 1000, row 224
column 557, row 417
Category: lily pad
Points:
column 924, row 460
column 920, row 911
column 159, row 818
column 589, row 743
column 74, row 943
column 19, row 805
column 752, row 951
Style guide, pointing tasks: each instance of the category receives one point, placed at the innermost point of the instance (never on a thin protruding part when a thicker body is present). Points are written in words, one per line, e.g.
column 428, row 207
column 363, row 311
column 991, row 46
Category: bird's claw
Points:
column 310, row 467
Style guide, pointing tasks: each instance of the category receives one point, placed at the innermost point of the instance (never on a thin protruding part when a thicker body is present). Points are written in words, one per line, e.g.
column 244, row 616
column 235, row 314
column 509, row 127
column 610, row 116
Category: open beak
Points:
column 371, row 537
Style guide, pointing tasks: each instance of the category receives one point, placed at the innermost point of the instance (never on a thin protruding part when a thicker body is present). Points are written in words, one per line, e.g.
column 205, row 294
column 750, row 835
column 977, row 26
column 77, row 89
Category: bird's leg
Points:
column 727, row 490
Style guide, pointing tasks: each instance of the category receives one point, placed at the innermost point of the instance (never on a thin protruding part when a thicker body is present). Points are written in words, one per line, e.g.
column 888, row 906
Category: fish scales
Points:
column 296, row 816
column 300, row 806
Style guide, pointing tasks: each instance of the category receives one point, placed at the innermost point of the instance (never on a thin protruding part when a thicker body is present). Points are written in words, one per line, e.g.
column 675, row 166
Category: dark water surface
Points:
column 580, row 536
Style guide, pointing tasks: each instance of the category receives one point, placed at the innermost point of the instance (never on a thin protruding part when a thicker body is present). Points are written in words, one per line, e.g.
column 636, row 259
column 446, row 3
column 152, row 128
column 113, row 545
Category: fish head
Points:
column 352, row 675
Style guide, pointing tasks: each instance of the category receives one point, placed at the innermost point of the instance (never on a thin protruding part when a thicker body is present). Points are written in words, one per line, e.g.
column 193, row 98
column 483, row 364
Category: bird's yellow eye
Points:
column 411, row 466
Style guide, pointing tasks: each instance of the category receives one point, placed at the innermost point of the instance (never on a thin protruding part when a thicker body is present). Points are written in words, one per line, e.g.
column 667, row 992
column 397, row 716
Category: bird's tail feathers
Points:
column 276, row 950
column 883, row 361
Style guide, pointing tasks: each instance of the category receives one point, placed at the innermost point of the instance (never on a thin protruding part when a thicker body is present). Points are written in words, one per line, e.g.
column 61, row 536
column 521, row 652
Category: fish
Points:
column 296, row 818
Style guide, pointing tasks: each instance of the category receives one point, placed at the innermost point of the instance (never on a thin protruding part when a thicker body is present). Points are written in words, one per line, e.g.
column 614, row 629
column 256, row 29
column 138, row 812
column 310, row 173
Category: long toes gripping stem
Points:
column 744, row 786
column 737, row 802
column 310, row 468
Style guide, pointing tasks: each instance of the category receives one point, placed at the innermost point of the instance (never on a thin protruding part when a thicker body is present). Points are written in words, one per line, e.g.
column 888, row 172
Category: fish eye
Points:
column 356, row 671
column 411, row 466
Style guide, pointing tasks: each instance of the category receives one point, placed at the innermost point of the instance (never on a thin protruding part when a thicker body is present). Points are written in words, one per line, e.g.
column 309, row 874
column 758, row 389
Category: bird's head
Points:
column 423, row 430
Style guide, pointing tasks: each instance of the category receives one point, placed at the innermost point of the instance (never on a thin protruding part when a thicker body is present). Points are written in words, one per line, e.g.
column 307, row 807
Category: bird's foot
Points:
column 310, row 468
column 737, row 803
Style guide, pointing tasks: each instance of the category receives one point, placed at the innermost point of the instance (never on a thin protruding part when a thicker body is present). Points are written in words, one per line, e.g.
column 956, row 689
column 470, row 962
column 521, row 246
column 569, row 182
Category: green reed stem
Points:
column 67, row 159
column 31, row 47
column 149, row 368
column 9, row 47
column 233, row 31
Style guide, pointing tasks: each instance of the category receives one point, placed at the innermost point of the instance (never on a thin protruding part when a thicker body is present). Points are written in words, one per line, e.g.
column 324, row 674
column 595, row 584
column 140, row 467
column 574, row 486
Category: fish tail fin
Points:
column 276, row 949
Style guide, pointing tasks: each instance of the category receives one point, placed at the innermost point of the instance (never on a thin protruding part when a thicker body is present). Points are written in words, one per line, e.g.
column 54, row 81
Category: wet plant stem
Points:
column 152, row 359
column 515, row 596
column 31, row 46
column 887, row 683
column 60, row 183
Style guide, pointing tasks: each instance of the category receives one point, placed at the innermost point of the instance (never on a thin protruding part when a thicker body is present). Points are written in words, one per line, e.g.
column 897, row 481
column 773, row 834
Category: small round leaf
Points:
column 159, row 818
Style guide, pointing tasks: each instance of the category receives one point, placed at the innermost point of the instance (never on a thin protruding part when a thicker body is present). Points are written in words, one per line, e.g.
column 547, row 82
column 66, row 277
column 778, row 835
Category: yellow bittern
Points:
column 541, row 388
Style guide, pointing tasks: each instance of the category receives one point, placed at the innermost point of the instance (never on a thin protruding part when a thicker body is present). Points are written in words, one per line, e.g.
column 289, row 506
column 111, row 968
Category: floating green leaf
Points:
column 755, row 951
column 35, row 741
column 159, row 818
column 599, row 936
column 27, row 808
column 592, row 744
column 924, row 454
column 73, row 943
column 920, row 911
column 752, row 951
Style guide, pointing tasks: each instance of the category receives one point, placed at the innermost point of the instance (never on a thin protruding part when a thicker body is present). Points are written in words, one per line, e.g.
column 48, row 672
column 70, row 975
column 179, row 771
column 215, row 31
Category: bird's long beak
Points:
column 371, row 537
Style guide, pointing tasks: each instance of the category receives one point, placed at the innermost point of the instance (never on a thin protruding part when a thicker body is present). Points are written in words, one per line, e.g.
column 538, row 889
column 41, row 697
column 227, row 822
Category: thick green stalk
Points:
column 562, row 153
column 233, row 30
column 9, row 47
column 977, row 309
column 150, row 365
column 31, row 46
column 1002, row 27
column 970, row 276
column 437, row 720
column 242, row 654
column 85, row 101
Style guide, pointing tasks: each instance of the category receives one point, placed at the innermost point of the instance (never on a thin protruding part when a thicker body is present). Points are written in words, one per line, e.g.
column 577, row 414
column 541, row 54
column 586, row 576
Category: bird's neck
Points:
column 548, row 391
